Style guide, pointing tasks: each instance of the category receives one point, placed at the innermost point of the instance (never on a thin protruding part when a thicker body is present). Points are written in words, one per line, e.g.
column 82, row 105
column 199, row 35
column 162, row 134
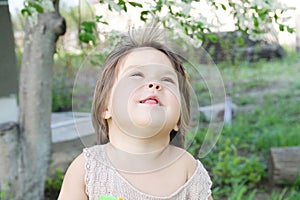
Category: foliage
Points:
column 66, row 66
column 251, row 17
column 239, row 192
column 293, row 194
column 56, row 182
column 61, row 97
column 61, row 91
column 256, row 16
column 53, row 185
column 276, row 196
column 232, row 168
column 5, row 193
column 31, row 6
column 267, row 94
column 3, row 196
column 87, row 32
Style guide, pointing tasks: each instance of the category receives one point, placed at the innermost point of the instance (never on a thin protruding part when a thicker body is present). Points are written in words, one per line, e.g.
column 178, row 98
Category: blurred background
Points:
column 255, row 45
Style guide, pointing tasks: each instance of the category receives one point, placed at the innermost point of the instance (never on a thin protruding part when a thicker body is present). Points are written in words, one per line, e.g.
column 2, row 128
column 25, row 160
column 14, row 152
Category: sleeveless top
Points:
column 101, row 178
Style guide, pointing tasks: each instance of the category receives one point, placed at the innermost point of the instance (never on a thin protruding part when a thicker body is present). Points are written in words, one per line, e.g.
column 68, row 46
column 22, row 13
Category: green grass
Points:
column 268, row 97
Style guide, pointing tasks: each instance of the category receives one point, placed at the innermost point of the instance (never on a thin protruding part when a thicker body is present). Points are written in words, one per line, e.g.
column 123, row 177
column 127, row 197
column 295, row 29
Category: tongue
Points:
column 150, row 101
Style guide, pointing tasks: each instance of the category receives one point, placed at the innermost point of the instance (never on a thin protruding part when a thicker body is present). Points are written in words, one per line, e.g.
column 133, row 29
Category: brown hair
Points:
column 148, row 37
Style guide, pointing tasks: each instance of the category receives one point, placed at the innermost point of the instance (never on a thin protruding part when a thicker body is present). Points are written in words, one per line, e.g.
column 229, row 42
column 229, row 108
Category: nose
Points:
column 156, row 86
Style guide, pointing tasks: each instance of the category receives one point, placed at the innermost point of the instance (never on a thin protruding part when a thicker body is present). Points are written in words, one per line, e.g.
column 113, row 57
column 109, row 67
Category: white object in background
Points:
column 8, row 109
column 68, row 126
column 228, row 110
column 220, row 112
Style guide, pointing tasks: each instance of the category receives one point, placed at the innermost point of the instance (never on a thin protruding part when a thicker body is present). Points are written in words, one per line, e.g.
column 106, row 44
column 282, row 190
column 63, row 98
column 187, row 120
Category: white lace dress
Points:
column 102, row 178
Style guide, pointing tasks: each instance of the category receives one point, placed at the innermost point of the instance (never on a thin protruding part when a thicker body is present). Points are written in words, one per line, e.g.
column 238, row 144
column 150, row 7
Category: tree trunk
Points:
column 9, row 152
column 284, row 164
column 35, row 102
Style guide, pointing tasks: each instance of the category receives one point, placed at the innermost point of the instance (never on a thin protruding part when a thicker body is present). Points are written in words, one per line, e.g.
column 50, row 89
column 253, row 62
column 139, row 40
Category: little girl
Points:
column 141, row 108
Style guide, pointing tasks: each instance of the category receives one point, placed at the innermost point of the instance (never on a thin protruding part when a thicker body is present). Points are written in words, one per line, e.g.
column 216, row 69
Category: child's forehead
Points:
column 145, row 56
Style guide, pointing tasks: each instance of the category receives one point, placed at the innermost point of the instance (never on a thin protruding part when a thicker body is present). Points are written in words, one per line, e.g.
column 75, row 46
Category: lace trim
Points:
column 102, row 174
column 87, row 171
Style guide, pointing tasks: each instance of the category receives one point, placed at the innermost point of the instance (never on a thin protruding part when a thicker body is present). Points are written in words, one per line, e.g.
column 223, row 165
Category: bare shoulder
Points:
column 73, row 186
column 186, row 160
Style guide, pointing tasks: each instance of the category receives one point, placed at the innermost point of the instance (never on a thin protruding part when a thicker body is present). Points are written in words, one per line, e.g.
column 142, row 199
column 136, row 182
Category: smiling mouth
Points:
column 153, row 100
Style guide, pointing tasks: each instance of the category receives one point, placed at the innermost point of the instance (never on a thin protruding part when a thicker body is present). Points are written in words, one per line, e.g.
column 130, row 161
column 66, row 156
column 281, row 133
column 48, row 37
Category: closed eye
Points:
column 137, row 74
column 167, row 79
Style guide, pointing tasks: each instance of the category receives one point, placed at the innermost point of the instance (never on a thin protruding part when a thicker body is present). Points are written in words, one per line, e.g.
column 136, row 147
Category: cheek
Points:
column 123, row 95
column 174, row 102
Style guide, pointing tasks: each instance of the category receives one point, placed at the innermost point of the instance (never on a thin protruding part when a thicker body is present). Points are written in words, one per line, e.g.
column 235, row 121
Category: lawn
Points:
column 267, row 94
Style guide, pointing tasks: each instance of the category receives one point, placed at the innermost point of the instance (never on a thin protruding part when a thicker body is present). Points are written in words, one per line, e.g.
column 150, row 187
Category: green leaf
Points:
column 231, row 4
column 98, row 19
column 125, row 8
column 212, row 37
column 276, row 17
column 104, row 22
column 87, row 37
column 178, row 14
column 199, row 36
column 135, row 4
column 159, row 5
column 214, row 5
column 186, row 30
column 281, row 27
column 36, row 6
column 143, row 15
column 262, row 13
column 88, row 26
column 255, row 21
column 122, row 4
column 223, row 6
column 26, row 10
column 241, row 41
column 87, row 32
column 200, row 25
column 257, row 31
column 170, row 10
column 290, row 30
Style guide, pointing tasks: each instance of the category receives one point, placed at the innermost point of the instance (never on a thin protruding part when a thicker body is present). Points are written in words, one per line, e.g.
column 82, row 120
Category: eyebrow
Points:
column 132, row 66
column 129, row 68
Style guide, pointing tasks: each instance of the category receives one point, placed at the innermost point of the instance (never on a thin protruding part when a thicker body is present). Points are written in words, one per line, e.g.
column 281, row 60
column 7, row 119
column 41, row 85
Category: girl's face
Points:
column 145, row 99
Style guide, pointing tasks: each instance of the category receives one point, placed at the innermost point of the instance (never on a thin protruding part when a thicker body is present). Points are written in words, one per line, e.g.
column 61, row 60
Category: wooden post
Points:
column 284, row 164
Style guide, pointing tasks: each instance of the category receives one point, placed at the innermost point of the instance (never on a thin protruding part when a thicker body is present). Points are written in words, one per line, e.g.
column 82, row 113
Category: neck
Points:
column 132, row 154
column 134, row 145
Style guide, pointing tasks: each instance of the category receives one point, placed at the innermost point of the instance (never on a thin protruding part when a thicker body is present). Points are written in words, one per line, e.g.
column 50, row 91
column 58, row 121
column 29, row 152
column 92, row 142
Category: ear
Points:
column 176, row 128
column 107, row 114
